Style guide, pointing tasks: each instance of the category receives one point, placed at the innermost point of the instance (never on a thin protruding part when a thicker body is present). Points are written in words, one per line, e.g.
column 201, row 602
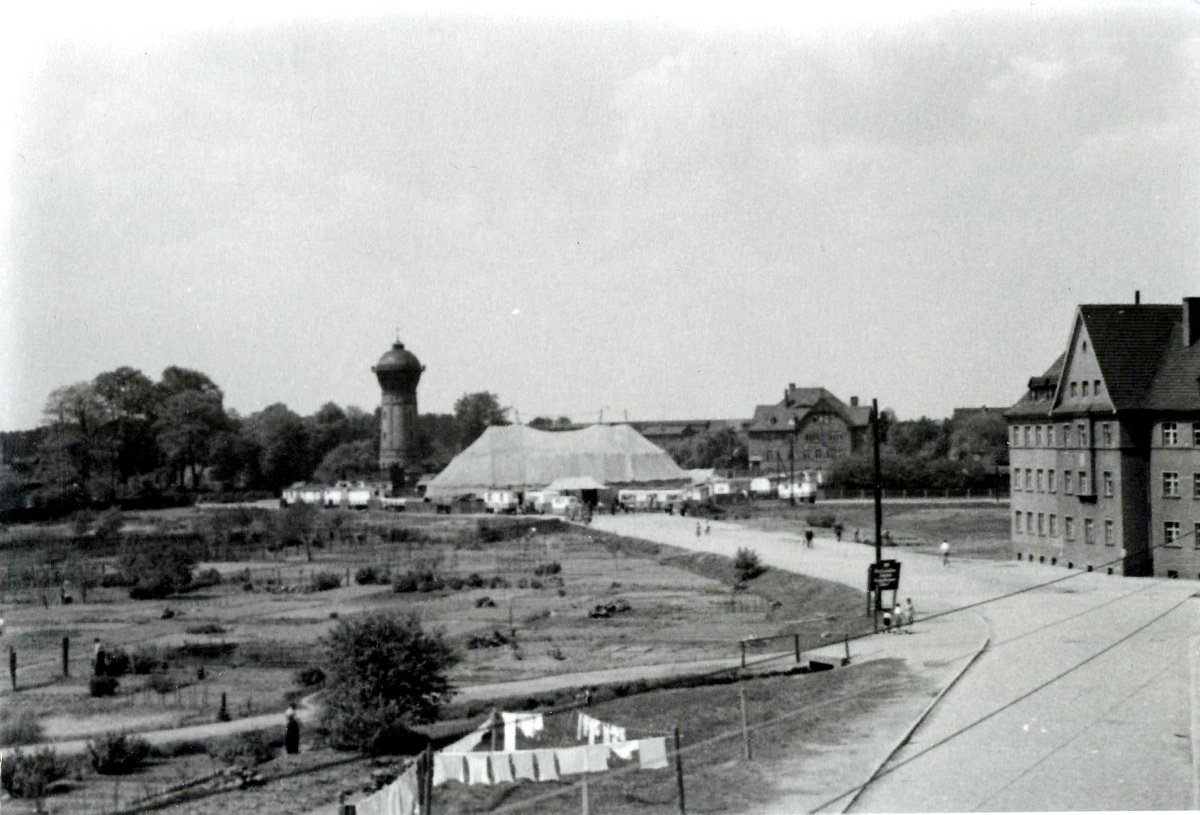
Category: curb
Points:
column 904, row 738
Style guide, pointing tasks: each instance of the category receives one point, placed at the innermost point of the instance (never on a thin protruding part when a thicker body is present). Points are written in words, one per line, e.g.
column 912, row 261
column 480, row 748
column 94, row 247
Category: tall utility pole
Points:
column 878, row 494
column 792, row 464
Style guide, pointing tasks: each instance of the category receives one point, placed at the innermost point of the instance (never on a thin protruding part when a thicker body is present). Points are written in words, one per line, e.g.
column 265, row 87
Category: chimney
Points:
column 853, row 401
column 1191, row 321
column 1137, row 297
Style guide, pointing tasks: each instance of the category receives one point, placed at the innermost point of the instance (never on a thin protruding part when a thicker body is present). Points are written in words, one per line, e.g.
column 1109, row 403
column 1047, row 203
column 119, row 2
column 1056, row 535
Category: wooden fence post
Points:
column 797, row 649
column 745, row 729
column 679, row 775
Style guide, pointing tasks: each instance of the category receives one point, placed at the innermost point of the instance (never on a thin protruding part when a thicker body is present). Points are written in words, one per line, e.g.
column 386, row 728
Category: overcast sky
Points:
column 630, row 209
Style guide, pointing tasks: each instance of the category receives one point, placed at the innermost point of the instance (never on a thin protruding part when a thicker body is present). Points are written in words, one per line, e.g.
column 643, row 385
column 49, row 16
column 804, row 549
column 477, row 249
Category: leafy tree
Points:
column 385, row 674
column 295, row 526
column 475, row 413
column 348, row 461
column 981, row 435
column 129, row 401
column 188, row 424
column 177, row 380
column 924, row 438
column 70, row 452
column 282, row 440
column 437, row 439
column 159, row 570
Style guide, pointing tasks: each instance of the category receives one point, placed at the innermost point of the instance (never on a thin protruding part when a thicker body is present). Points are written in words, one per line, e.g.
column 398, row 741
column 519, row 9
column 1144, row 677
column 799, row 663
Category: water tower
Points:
column 398, row 372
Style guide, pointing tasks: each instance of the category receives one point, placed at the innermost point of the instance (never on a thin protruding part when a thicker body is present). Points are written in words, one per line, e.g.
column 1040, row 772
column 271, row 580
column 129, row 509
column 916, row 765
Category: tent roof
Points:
column 521, row 457
column 575, row 482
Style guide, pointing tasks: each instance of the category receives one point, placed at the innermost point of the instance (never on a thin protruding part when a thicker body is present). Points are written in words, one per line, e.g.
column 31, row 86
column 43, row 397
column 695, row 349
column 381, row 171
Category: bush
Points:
column 117, row 753
column 406, row 582
column 499, row 582
column 747, row 565
column 546, row 569
column 385, row 674
column 24, row 728
column 161, row 684
column 31, row 775
column 310, row 677
column 821, row 520
column 247, row 749
column 475, row 581
column 456, row 583
column 103, row 686
column 116, row 662
column 370, row 575
column 324, row 581
column 160, row 569
column 146, row 660
column 206, row 628
column 206, row 578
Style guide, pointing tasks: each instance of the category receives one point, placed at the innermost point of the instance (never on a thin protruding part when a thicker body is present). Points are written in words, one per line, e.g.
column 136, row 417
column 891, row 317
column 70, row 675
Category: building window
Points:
column 1074, row 390
column 1109, row 540
column 1064, row 435
column 1050, row 485
column 1041, row 524
column 1196, row 434
column 1170, row 485
column 1068, row 484
column 1170, row 434
column 1016, row 437
column 1029, row 522
column 1171, row 533
column 1027, row 434
column 1196, row 485
column 1053, row 525
column 1037, row 436
column 1083, row 435
column 1106, row 430
column 1108, row 484
column 1017, row 522
column 1028, row 480
column 1084, row 489
column 1069, row 527
column 1084, row 388
column 1089, row 532
column 1039, row 481
column 1196, row 536
column 1096, row 388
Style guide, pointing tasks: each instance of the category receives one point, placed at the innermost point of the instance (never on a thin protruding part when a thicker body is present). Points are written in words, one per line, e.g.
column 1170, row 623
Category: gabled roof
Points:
column 1028, row 405
column 1176, row 385
column 1129, row 341
column 798, row 403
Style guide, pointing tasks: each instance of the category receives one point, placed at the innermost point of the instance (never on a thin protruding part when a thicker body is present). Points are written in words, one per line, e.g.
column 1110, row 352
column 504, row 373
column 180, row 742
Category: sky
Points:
column 650, row 211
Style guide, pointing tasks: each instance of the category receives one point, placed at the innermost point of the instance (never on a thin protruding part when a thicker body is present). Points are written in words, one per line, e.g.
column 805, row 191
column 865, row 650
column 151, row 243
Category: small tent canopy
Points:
column 519, row 457
column 575, row 482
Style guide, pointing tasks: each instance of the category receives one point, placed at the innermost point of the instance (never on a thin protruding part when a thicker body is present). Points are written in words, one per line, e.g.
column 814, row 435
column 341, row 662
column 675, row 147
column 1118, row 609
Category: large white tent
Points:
column 519, row 457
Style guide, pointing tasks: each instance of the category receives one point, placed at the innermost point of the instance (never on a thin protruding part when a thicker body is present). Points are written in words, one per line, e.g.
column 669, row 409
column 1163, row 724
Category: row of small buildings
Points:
column 1104, row 445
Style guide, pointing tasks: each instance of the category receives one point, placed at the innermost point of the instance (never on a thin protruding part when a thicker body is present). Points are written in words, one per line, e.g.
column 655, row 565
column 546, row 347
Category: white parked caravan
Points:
column 497, row 501
column 760, row 486
column 802, row 491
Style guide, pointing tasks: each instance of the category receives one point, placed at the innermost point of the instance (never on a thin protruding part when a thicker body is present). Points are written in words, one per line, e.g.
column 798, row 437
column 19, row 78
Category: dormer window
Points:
column 1084, row 388
column 1074, row 389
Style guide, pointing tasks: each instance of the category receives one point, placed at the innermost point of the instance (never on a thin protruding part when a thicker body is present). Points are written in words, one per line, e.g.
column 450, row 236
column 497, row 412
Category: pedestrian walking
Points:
column 945, row 553
column 291, row 734
column 707, row 528
column 808, row 538
column 887, row 621
column 698, row 529
column 909, row 612
column 98, row 660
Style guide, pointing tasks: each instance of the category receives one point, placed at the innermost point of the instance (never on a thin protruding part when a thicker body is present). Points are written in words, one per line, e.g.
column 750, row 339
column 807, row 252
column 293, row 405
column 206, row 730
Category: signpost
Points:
column 883, row 576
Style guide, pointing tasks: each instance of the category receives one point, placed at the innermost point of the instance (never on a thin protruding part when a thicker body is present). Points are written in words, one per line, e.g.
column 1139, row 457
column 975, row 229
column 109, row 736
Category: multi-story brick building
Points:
column 1104, row 447
column 813, row 424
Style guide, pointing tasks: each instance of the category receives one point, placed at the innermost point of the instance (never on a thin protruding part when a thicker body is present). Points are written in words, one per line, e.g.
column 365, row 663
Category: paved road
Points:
column 1114, row 732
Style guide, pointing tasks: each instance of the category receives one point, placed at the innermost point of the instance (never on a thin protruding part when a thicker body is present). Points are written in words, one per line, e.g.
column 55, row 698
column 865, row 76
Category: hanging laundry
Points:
column 501, row 768
column 373, row 805
column 605, row 732
column 407, row 797
column 477, row 768
column 470, row 741
column 570, row 760
column 545, row 764
column 581, row 726
column 595, row 758
column 523, row 766
column 653, row 753
column 531, row 724
column 615, row 734
column 448, row 767
column 595, row 727
column 624, row 749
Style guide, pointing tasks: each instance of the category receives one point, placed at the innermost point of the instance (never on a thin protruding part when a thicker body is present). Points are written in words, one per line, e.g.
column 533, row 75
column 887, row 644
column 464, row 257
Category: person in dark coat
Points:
column 291, row 735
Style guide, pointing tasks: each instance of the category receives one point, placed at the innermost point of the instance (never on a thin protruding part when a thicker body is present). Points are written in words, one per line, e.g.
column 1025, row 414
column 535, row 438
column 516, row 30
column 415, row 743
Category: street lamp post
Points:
column 792, row 462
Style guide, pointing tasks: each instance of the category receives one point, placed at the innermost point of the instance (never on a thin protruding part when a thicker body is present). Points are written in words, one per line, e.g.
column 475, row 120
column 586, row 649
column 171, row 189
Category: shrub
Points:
column 146, row 660
column 475, row 581
column 310, row 677
column 116, row 662
column 499, row 582
column 24, row 728
column 206, row 578
column 747, row 565
column 370, row 575
column 247, row 749
column 103, row 686
column 31, row 775
column 523, row 583
column 161, row 684
column 485, row 602
column 160, row 569
column 324, row 581
column 206, row 628
column 456, row 583
column 821, row 520
column 117, row 753
column 385, row 674
column 546, row 569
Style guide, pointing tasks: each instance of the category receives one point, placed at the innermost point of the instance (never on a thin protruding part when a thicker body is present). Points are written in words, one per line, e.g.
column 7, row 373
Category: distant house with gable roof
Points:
column 809, row 425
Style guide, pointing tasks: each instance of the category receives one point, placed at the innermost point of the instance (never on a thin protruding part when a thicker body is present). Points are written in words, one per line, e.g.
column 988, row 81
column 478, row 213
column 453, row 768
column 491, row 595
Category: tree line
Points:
column 123, row 435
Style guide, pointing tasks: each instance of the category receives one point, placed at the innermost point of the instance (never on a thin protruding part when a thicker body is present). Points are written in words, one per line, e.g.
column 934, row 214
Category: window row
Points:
column 1170, row 434
column 1173, row 534
column 1031, row 480
column 1060, row 435
column 1080, row 388
column 1171, row 485
column 1043, row 524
